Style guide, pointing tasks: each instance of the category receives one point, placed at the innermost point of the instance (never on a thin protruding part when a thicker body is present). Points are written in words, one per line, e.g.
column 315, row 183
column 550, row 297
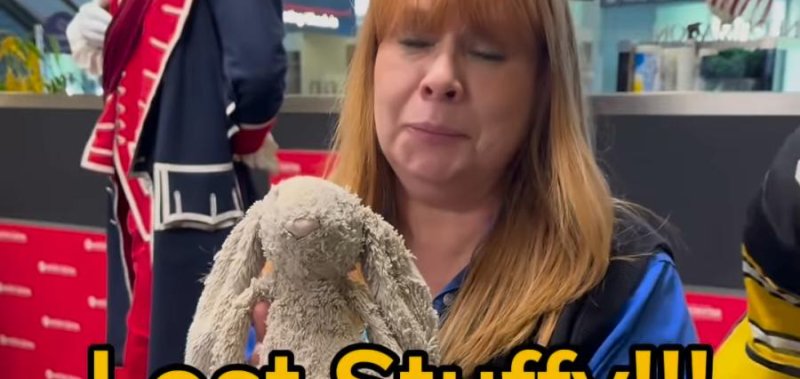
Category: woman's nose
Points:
column 442, row 81
column 443, row 92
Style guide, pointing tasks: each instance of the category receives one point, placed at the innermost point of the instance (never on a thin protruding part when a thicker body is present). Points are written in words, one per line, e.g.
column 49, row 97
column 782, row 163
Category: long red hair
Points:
column 552, row 243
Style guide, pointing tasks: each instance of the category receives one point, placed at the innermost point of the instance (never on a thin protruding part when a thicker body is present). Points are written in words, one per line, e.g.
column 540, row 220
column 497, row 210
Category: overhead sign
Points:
column 325, row 16
column 608, row 3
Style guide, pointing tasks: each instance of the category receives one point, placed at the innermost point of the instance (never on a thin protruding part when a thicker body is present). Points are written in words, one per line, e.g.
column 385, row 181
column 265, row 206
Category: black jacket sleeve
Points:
column 251, row 35
column 772, row 229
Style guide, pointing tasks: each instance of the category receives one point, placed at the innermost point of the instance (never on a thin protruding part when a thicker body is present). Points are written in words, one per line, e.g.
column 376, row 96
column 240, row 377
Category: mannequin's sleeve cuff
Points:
column 249, row 138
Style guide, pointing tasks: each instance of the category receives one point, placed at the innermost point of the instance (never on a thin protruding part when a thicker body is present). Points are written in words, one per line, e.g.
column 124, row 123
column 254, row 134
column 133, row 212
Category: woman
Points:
column 463, row 124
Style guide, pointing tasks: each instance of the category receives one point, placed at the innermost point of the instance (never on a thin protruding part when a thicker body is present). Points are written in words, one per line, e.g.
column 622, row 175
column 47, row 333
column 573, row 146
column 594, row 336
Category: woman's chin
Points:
column 427, row 166
column 438, row 173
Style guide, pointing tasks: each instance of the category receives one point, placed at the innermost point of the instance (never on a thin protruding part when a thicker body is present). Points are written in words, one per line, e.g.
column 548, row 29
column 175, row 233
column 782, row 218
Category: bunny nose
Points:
column 302, row 227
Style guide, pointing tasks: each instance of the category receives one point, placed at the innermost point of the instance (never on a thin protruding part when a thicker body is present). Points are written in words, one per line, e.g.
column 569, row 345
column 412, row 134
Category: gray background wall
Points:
column 698, row 172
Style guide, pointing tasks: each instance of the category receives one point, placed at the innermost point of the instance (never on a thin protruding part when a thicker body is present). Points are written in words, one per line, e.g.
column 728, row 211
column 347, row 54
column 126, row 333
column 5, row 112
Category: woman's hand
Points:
column 259, row 319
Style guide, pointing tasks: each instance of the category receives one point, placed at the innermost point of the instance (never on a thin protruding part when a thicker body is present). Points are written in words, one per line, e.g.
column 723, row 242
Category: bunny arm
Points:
column 314, row 323
column 398, row 288
column 235, row 265
column 233, row 328
column 375, row 321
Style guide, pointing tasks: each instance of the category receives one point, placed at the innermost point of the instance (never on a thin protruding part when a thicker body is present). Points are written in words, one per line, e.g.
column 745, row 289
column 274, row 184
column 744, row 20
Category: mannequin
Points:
column 192, row 89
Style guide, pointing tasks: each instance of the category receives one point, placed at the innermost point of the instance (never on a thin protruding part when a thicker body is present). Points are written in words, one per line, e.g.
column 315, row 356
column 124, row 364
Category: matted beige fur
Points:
column 314, row 235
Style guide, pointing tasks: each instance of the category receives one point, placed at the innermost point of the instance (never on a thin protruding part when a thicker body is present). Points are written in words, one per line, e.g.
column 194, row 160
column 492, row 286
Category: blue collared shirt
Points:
column 657, row 313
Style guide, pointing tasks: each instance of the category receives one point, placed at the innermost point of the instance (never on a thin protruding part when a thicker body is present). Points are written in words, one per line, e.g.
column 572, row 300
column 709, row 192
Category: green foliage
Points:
column 734, row 64
column 58, row 83
column 21, row 54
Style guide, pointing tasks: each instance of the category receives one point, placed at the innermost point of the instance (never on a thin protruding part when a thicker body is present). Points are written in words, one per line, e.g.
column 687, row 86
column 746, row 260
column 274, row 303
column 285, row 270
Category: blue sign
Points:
column 323, row 16
column 55, row 28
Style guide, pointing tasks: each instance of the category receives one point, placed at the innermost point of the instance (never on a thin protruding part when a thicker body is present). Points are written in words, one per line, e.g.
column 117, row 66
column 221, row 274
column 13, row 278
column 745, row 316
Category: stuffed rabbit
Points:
column 314, row 235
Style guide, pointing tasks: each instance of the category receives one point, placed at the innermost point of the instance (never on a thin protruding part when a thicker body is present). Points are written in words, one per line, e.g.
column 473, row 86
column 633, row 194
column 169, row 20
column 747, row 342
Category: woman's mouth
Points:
column 436, row 130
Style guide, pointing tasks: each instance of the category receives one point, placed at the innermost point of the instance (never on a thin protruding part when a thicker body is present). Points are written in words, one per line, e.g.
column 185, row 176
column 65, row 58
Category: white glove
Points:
column 90, row 24
column 265, row 158
column 86, row 34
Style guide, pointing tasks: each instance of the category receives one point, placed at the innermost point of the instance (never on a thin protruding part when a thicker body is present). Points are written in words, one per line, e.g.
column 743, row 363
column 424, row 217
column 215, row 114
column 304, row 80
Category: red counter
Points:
column 52, row 293
column 52, row 296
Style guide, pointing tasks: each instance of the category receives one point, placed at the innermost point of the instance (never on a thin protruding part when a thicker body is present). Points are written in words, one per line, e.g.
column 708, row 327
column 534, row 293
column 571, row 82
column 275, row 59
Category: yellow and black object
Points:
column 766, row 343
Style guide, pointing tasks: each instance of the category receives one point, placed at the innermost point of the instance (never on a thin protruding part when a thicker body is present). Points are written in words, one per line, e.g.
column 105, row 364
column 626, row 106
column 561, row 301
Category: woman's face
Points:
column 451, row 106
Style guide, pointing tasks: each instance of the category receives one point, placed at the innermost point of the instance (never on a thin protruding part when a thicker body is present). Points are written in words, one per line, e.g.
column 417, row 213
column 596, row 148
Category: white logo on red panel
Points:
column 15, row 290
column 17, row 343
column 65, row 325
column 50, row 374
column 13, row 236
column 705, row 312
column 290, row 168
column 94, row 247
column 97, row 303
column 57, row 269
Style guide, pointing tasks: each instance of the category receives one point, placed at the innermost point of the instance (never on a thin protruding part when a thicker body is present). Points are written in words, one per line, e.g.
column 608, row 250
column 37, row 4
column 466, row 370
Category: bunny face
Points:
column 319, row 239
column 315, row 230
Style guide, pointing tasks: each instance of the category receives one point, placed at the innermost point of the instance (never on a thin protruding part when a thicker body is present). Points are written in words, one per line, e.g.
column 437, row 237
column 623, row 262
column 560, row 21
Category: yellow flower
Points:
column 23, row 72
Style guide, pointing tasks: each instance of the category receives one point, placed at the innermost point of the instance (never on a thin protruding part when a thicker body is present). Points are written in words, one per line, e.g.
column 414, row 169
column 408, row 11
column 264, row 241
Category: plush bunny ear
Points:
column 398, row 288
column 227, row 297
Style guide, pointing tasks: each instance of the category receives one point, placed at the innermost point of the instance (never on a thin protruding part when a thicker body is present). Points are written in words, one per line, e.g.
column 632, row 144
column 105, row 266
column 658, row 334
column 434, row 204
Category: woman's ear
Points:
column 398, row 288
column 236, row 265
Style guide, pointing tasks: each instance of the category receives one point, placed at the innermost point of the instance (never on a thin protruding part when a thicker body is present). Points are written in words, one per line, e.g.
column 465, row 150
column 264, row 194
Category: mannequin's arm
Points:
column 251, row 36
column 86, row 35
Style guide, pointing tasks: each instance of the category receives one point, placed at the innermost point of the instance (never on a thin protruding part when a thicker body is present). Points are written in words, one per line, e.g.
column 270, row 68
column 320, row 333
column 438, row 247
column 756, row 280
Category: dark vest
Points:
column 584, row 324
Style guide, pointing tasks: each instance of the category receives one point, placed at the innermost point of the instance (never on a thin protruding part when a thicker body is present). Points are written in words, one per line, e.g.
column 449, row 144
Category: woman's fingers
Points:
column 259, row 314
column 259, row 319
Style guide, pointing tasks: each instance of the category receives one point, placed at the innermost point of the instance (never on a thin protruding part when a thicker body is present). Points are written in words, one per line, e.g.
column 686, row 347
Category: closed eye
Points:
column 415, row 43
column 495, row 57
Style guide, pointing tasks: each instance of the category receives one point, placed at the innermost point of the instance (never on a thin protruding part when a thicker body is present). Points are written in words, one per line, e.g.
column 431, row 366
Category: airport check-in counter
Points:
column 694, row 158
